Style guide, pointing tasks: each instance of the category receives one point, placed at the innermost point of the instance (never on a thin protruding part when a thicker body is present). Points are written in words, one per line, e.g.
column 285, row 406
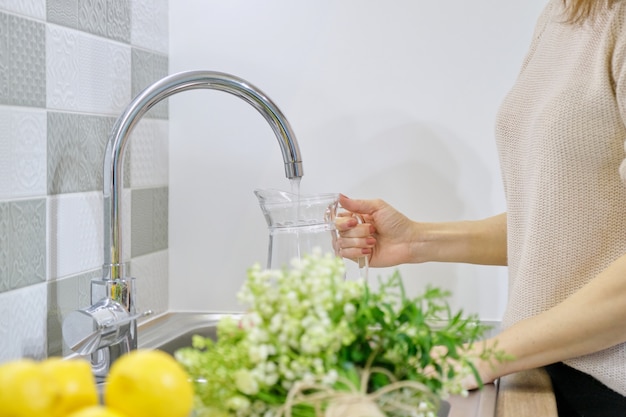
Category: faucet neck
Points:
column 118, row 139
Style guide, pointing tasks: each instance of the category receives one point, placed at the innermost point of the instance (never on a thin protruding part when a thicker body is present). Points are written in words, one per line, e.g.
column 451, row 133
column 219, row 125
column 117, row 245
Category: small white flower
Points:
column 271, row 379
column 276, row 322
column 258, row 353
column 330, row 378
column 308, row 378
column 245, row 382
column 238, row 403
column 349, row 309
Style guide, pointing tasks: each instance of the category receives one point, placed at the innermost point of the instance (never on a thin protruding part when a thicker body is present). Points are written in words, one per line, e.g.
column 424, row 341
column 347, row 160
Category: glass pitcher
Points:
column 298, row 224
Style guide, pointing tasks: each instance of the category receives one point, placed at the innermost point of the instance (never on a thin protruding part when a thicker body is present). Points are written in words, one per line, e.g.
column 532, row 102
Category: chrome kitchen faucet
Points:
column 108, row 328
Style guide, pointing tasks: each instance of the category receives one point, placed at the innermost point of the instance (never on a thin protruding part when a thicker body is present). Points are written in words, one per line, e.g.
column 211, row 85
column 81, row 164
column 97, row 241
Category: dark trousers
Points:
column 580, row 395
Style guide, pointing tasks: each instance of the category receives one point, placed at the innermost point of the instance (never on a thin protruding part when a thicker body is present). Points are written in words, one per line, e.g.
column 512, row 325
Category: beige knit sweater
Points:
column 560, row 135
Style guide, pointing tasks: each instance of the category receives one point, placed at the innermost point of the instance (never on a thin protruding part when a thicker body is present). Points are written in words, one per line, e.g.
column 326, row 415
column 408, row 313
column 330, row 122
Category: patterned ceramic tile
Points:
column 150, row 25
column 149, row 154
column 62, row 12
column 151, row 274
column 107, row 18
column 86, row 73
column 26, row 68
column 22, row 152
column 118, row 20
column 5, row 248
column 30, row 8
column 4, row 58
column 23, row 323
column 75, row 233
column 76, row 144
column 147, row 68
column 149, row 220
column 65, row 296
column 23, row 250
column 92, row 16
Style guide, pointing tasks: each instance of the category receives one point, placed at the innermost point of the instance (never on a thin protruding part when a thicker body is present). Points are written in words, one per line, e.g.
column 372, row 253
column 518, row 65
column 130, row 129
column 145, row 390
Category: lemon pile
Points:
column 142, row 383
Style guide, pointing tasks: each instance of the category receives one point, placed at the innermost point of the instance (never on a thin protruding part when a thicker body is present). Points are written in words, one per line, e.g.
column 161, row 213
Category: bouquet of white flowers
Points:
column 313, row 344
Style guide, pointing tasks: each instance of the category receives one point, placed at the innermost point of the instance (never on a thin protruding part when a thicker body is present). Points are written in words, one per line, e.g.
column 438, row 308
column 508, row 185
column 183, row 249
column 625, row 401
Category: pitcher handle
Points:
column 362, row 261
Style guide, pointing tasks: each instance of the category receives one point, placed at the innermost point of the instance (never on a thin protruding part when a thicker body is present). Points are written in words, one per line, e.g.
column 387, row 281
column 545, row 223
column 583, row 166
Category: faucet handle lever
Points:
column 127, row 320
column 97, row 326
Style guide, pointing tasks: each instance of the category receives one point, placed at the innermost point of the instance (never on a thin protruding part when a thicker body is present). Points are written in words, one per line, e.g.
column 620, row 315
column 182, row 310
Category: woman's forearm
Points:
column 477, row 242
column 588, row 321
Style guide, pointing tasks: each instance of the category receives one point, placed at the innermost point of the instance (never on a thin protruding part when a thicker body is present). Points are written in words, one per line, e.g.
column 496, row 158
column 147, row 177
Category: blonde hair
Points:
column 579, row 11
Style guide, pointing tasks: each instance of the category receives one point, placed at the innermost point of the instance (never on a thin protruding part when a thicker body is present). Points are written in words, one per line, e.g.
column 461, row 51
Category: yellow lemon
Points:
column 75, row 382
column 95, row 411
column 149, row 383
column 26, row 390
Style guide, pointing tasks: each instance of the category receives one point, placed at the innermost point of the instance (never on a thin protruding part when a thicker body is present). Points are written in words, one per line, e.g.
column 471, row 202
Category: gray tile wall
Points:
column 67, row 70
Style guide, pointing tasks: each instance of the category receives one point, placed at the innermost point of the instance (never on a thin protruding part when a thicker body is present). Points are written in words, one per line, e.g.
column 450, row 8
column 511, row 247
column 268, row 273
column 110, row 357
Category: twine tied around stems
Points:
column 357, row 402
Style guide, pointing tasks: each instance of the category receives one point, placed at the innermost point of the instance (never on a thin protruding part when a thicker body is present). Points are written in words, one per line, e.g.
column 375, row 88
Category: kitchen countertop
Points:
column 523, row 394
column 477, row 404
column 526, row 394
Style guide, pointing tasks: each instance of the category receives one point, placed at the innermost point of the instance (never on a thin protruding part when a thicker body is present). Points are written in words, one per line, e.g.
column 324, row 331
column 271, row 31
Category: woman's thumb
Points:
column 359, row 206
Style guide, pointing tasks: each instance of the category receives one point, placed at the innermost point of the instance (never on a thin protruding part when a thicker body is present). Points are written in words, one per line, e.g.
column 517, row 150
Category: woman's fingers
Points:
column 345, row 223
column 355, row 247
column 354, row 253
column 349, row 226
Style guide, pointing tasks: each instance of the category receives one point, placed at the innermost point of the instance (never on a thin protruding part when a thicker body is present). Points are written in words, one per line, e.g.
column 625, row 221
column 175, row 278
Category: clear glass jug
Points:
column 299, row 224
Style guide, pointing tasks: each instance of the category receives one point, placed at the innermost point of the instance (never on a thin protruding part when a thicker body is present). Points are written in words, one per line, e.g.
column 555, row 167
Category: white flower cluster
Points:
column 297, row 322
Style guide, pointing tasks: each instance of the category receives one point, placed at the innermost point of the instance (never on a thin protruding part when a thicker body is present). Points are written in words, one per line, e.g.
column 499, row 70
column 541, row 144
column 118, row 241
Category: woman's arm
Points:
column 476, row 242
column 390, row 238
column 590, row 320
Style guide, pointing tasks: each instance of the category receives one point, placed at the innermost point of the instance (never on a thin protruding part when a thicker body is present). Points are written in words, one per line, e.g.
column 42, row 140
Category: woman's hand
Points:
column 385, row 236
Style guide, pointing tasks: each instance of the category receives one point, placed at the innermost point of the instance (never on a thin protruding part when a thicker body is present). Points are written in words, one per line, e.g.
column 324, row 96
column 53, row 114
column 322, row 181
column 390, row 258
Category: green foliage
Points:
column 308, row 327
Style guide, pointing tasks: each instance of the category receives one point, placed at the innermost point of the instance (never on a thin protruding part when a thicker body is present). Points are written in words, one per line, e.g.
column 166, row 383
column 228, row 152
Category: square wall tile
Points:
column 22, row 243
column 22, row 152
column 30, row 8
column 23, row 323
column 92, row 16
column 149, row 154
column 5, row 59
column 107, row 18
column 76, row 144
column 118, row 17
column 75, row 233
column 62, row 12
column 148, row 67
column 151, row 282
column 86, row 73
column 150, row 23
column 23, row 57
column 149, row 220
column 63, row 297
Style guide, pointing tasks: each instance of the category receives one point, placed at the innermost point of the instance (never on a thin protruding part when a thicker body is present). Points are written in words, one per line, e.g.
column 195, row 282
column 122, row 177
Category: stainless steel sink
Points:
column 173, row 331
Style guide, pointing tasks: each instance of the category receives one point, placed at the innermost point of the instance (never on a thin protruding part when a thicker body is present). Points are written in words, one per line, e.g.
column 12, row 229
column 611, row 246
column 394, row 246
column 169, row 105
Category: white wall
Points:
column 390, row 99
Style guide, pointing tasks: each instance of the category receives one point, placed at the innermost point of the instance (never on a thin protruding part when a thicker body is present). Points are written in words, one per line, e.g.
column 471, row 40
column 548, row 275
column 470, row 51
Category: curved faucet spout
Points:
column 113, row 181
